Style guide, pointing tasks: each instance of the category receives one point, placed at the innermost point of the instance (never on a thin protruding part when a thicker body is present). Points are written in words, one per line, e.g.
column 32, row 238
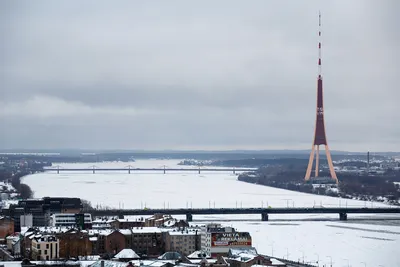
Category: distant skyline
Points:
column 198, row 75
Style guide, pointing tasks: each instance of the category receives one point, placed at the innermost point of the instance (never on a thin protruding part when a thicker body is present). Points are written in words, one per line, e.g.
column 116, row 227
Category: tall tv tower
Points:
column 320, row 134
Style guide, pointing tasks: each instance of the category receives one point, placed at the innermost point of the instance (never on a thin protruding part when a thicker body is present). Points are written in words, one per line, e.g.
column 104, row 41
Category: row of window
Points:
column 40, row 252
column 38, row 246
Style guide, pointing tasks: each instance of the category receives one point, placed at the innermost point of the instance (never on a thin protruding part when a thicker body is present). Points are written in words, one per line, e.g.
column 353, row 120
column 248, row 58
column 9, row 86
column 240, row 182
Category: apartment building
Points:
column 45, row 247
column 185, row 241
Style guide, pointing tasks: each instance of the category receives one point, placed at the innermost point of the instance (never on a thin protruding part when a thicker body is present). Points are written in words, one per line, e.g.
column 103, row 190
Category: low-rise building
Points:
column 74, row 243
column 45, row 247
column 82, row 221
column 185, row 241
column 249, row 257
column 217, row 240
column 6, row 227
column 157, row 220
column 110, row 242
column 126, row 223
column 14, row 245
column 145, row 240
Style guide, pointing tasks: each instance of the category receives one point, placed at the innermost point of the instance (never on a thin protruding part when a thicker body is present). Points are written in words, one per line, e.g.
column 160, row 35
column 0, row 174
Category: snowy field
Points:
column 312, row 236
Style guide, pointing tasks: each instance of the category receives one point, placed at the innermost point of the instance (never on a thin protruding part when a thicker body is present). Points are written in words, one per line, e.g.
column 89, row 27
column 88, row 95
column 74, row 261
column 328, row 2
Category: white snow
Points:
column 296, row 234
column 173, row 190
column 127, row 253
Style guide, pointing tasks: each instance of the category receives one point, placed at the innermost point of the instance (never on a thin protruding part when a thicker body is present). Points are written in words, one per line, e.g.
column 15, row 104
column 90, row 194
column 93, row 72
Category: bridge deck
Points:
column 153, row 169
column 222, row 211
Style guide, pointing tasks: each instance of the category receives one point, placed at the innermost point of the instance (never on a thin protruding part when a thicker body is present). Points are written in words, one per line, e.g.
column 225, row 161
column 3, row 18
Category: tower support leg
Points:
column 317, row 162
column 330, row 163
column 343, row 216
column 189, row 217
column 310, row 163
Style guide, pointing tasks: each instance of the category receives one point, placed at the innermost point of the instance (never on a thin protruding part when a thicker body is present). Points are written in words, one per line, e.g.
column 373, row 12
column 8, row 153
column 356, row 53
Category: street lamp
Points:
column 287, row 202
column 272, row 246
column 302, row 252
column 317, row 258
column 287, row 253
column 330, row 259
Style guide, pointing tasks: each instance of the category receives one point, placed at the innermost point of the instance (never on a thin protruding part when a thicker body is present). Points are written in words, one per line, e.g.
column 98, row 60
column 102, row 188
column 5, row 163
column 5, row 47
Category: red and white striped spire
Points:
column 319, row 46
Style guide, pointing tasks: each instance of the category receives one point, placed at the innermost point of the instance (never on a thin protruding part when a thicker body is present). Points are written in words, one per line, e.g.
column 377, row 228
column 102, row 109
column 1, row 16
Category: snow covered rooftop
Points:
column 276, row 262
column 197, row 255
column 108, row 264
column 127, row 253
column 146, row 230
column 238, row 251
column 183, row 233
column 125, row 231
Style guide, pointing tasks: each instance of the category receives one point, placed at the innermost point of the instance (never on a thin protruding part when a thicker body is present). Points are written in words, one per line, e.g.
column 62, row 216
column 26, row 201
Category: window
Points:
column 45, row 252
column 47, row 257
column 38, row 246
column 47, row 246
column 39, row 252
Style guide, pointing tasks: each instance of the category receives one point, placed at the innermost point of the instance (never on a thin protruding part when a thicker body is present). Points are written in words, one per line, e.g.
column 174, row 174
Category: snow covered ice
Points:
column 349, row 242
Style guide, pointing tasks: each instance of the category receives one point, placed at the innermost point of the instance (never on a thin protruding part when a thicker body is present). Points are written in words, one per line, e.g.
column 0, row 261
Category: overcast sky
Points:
column 198, row 74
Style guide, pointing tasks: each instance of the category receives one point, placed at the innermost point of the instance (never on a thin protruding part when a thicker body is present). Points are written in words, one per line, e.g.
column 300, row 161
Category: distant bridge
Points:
column 264, row 212
column 129, row 169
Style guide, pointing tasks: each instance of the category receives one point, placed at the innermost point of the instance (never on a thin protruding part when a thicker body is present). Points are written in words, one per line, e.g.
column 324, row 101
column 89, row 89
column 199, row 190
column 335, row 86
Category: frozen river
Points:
column 346, row 242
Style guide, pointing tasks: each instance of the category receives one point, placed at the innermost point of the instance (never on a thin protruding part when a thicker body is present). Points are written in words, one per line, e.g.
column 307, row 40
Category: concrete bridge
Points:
column 264, row 212
column 129, row 169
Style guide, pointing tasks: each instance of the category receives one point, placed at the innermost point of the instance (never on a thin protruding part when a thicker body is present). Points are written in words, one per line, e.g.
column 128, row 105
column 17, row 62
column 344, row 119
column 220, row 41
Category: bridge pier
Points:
column 199, row 170
column 120, row 216
column 343, row 216
column 189, row 217
column 234, row 172
column 264, row 217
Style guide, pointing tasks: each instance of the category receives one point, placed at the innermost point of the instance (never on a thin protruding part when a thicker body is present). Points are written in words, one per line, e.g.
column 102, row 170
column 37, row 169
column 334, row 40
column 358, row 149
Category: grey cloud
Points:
column 199, row 74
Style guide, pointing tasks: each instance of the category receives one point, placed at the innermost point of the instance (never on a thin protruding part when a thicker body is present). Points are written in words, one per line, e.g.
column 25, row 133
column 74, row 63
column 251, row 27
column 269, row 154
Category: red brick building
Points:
column 6, row 227
column 111, row 242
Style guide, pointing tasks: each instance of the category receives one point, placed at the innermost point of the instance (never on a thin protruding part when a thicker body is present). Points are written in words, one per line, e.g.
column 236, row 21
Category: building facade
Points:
column 217, row 240
column 145, row 240
column 71, row 220
column 110, row 242
column 126, row 223
column 74, row 243
column 45, row 248
column 6, row 227
column 185, row 241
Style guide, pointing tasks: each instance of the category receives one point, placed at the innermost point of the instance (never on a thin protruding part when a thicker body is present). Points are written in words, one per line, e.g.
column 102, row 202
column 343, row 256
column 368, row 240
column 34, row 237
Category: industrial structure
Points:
column 320, row 133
